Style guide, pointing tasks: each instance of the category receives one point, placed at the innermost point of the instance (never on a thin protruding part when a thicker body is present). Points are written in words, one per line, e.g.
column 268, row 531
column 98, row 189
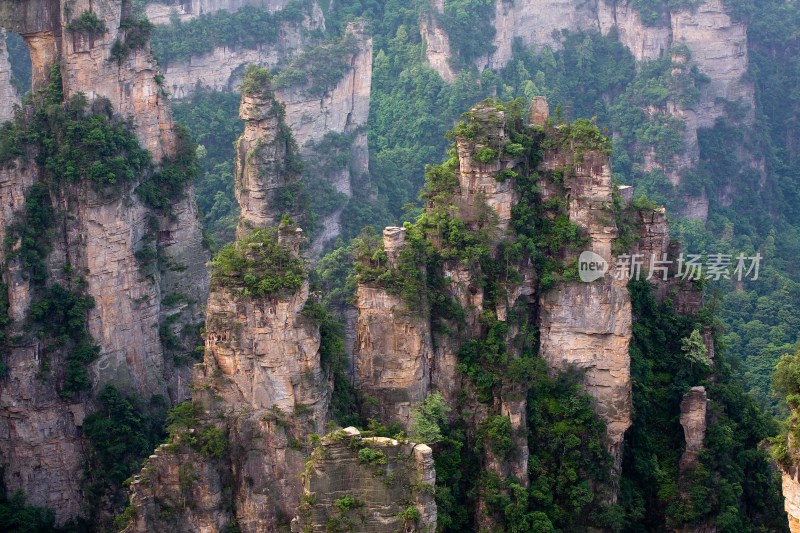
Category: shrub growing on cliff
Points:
column 258, row 265
column 88, row 24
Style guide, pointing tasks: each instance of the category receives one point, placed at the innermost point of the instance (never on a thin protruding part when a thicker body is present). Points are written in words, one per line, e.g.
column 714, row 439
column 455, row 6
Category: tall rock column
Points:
column 8, row 93
column 267, row 178
column 588, row 326
column 393, row 349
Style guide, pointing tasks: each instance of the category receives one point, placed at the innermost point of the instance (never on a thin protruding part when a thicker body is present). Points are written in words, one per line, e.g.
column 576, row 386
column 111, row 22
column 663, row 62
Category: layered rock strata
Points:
column 42, row 445
column 346, row 483
column 266, row 165
column 8, row 93
column 393, row 350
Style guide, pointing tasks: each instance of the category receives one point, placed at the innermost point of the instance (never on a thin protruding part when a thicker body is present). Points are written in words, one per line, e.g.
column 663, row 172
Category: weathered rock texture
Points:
column 337, row 471
column 791, row 494
column 222, row 69
column 588, row 325
column 265, row 153
column 8, row 93
column 716, row 43
column 41, row 451
column 694, row 407
column 393, row 350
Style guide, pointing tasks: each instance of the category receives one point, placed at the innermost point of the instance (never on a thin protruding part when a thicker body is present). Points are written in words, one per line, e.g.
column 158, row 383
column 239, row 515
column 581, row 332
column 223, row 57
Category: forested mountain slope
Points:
column 426, row 331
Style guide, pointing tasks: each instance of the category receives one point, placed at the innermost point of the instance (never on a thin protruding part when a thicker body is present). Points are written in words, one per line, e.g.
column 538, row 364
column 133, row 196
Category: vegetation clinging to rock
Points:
column 258, row 265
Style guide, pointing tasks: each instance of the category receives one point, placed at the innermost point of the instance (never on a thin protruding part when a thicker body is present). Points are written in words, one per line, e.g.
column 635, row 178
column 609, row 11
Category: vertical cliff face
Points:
column 266, row 162
column 437, row 42
column 791, row 492
column 694, row 407
column 392, row 351
column 222, row 68
column 42, row 452
column 369, row 485
column 534, row 21
column 343, row 110
column 588, row 325
column 8, row 93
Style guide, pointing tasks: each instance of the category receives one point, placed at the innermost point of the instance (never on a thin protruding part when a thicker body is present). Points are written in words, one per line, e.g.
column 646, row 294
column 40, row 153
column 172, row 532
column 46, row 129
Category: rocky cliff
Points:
column 791, row 494
column 267, row 177
column 369, row 485
column 8, row 93
column 393, row 348
column 716, row 44
column 262, row 395
column 42, row 450
column 587, row 326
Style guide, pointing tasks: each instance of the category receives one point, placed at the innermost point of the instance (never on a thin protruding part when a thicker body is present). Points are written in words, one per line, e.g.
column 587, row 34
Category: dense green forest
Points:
column 591, row 75
column 412, row 109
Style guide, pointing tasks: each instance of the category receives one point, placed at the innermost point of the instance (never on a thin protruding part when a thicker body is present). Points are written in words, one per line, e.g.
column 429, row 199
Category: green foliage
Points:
column 485, row 155
column 654, row 12
column 168, row 183
column 733, row 483
column 463, row 20
column 61, row 317
column 213, row 119
column 405, row 279
column 497, row 431
column 88, row 24
column 16, row 516
column 258, row 265
column 186, row 427
column 257, row 81
column 427, row 420
column 346, row 503
column 135, row 33
column 372, row 456
column 121, row 433
column 247, row 27
column 319, row 69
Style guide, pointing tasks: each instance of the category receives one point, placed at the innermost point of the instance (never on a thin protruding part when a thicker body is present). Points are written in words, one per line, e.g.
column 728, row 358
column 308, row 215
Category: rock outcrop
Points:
column 694, row 407
column 266, row 160
column 41, row 453
column 588, row 326
column 790, row 482
column 716, row 43
column 8, row 93
column 393, row 350
column 369, row 485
